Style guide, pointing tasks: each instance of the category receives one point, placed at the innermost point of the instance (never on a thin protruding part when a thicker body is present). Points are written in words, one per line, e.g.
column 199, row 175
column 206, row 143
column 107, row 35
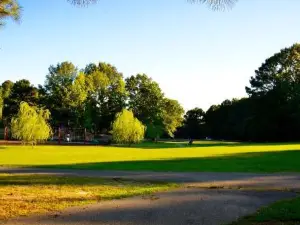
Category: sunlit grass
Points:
column 163, row 156
column 22, row 195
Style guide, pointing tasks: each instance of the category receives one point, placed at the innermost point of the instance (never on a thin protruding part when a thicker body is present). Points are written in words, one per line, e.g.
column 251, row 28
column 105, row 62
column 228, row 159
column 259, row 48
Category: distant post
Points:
column 84, row 135
column 6, row 133
column 59, row 136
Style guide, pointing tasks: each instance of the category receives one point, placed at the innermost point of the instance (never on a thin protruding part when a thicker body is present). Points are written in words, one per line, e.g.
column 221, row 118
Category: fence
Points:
column 63, row 135
column 71, row 135
column 5, row 133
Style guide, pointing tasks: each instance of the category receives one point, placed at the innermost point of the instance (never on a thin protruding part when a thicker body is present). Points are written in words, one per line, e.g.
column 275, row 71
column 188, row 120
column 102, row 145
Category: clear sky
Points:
column 198, row 56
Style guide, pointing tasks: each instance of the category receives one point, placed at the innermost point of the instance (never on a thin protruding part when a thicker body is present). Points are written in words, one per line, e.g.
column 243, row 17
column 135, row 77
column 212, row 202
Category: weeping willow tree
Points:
column 127, row 129
column 30, row 125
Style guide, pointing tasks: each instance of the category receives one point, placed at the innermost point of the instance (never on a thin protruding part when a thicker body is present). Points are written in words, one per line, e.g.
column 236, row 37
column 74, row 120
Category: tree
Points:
column 281, row 71
column 154, row 131
column 127, row 129
column 9, row 9
column 230, row 120
column 172, row 116
column 276, row 90
column 106, row 94
column 149, row 105
column 193, row 123
column 21, row 90
column 146, row 99
column 5, row 90
column 30, row 124
column 65, row 92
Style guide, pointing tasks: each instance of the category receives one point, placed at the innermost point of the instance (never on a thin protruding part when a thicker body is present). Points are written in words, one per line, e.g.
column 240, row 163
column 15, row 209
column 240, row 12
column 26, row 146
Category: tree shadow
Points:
column 41, row 178
column 199, row 144
column 190, row 207
column 277, row 161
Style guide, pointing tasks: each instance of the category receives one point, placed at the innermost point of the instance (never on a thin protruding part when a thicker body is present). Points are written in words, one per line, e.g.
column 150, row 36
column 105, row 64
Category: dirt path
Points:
column 181, row 207
column 227, row 197
column 275, row 181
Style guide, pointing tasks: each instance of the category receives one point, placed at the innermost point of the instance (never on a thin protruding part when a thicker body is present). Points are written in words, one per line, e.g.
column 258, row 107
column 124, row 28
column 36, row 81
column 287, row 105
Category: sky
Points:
column 198, row 56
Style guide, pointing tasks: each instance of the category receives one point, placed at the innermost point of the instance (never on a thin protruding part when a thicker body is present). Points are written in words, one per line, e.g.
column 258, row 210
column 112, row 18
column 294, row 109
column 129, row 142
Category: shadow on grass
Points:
column 197, row 144
column 277, row 161
column 63, row 179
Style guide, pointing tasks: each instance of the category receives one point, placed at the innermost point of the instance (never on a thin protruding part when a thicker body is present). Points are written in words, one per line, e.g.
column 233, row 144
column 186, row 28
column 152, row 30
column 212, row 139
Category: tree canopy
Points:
column 90, row 98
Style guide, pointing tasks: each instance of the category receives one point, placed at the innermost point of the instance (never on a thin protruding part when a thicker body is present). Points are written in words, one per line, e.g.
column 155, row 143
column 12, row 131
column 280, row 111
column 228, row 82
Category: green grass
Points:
column 286, row 212
column 202, row 156
column 23, row 195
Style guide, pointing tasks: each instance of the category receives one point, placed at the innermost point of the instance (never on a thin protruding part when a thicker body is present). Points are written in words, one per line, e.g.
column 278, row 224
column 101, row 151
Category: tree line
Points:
column 271, row 112
column 92, row 97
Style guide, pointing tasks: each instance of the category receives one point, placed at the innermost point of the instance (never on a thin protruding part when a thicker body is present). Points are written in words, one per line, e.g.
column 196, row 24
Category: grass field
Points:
column 286, row 212
column 202, row 156
column 22, row 195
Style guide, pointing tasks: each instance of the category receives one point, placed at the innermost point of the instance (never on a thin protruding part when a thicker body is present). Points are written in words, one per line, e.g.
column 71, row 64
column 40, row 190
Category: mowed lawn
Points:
column 286, row 212
column 163, row 156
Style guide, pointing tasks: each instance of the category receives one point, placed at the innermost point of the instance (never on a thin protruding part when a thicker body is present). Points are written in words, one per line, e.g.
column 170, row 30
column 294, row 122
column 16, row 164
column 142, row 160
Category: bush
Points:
column 127, row 129
column 30, row 124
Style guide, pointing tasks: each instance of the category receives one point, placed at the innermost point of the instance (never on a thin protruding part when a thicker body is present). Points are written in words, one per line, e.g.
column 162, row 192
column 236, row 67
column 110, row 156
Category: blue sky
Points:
column 198, row 56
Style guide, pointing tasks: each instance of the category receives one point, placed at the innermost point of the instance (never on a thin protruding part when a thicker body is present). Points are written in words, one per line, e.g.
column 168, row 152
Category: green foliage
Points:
column 59, row 83
column 16, row 93
column 30, row 124
column 281, row 71
column 193, row 124
column 172, row 116
column 149, row 105
column 154, row 131
column 127, row 129
column 5, row 90
column 145, row 98
column 106, row 94
column 78, row 91
column 66, row 92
